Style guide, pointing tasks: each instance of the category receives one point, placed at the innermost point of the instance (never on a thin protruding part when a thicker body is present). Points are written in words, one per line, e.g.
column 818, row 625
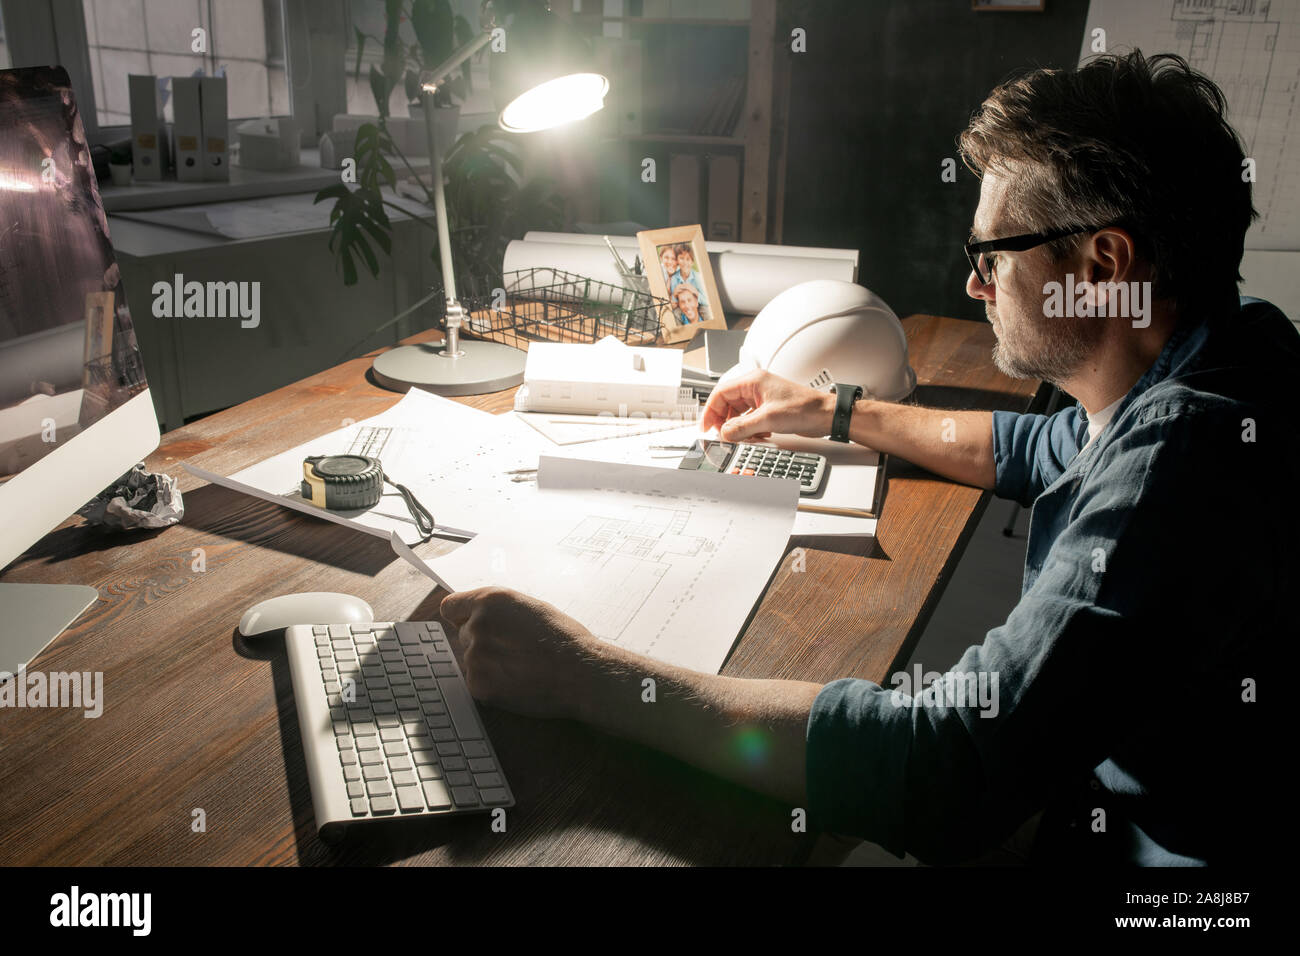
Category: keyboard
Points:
column 388, row 727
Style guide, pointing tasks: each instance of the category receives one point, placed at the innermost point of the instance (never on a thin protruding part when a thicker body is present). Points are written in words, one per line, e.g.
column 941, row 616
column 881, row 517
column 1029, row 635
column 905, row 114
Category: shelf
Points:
column 664, row 21
column 687, row 138
column 244, row 183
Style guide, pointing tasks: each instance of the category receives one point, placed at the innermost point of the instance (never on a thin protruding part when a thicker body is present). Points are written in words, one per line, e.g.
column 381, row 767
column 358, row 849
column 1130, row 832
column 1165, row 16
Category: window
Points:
column 368, row 17
column 245, row 38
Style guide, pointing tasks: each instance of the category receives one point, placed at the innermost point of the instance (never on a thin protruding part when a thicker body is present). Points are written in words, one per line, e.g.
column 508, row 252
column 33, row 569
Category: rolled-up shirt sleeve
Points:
column 949, row 780
column 940, row 779
column 1031, row 451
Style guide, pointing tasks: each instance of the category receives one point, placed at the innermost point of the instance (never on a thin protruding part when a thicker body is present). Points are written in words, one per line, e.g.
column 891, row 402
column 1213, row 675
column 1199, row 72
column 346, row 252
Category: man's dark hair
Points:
column 1132, row 141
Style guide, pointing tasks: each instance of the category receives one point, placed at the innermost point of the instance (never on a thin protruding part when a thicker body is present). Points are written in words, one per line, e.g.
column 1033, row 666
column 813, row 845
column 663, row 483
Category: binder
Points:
column 620, row 60
column 187, row 128
column 629, row 96
column 148, row 128
column 724, row 198
column 216, row 131
column 684, row 190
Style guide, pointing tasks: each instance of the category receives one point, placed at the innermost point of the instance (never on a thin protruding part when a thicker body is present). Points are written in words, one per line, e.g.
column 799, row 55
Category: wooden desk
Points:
column 195, row 717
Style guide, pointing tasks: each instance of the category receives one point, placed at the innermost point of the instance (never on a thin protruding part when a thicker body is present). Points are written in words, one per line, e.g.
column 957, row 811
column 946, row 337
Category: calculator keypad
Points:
column 766, row 461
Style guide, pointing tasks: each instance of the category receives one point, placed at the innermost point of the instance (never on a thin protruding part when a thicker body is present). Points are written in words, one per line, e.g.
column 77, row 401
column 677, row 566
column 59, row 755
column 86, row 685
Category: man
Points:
column 1162, row 542
column 687, row 302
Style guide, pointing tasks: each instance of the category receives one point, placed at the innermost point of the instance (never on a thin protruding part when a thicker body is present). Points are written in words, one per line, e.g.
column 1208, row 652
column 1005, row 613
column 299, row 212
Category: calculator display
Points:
column 716, row 455
column 762, row 461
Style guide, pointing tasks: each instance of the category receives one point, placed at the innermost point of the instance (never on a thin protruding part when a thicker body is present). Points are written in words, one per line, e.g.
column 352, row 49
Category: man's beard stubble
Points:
column 1053, row 351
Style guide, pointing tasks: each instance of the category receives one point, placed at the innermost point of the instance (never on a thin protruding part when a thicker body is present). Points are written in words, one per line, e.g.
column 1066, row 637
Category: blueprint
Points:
column 1251, row 49
column 457, row 461
column 663, row 562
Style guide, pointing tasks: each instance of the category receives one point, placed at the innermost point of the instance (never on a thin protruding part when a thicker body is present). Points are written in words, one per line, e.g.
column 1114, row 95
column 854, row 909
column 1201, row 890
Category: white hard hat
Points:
column 826, row 331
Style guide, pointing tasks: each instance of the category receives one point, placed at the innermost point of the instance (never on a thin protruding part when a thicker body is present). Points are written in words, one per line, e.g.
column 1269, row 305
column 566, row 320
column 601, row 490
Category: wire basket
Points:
column 550, row 305
column 123, row 371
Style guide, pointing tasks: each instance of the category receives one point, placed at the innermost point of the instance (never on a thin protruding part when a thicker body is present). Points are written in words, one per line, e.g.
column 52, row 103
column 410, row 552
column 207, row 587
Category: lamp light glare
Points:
column 564, row 99
column 12, row 181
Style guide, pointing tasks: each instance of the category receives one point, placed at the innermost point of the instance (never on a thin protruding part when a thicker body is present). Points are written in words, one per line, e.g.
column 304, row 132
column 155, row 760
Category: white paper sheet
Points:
column 1274, row 276
column 455, row 459
column 1250, row 50
column 850, row 483
column 665, row 563
column 578, row 429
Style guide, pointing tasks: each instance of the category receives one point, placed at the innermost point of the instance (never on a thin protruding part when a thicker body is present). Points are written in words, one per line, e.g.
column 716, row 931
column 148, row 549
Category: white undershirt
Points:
column 1100, row 420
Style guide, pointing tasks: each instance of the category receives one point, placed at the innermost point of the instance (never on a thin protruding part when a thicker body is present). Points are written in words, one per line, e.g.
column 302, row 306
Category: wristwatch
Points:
column 845, row 396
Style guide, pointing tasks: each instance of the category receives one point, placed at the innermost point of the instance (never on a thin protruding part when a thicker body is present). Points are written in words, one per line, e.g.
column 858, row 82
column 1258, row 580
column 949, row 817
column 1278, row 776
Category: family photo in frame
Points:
column 677, row 265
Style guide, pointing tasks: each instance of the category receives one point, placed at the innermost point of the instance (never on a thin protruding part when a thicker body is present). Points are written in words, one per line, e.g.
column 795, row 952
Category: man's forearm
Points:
column 956, row 445
column 751, row 732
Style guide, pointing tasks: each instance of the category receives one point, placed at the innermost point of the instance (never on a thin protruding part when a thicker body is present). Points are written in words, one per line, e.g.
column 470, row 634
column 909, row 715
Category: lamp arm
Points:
column 428, row 86
column 444, row 231
column 444, row 69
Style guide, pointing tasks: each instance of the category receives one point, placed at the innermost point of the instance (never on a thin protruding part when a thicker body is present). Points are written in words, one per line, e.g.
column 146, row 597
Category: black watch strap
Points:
column 845, row 396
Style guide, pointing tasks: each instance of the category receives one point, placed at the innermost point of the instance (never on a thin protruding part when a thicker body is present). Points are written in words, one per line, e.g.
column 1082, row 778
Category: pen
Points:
column 846, row 512
column 670, row 447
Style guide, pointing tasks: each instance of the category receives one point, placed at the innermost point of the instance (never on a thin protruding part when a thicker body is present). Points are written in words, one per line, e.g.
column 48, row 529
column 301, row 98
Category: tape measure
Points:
column 353, row 483
column 342, row 482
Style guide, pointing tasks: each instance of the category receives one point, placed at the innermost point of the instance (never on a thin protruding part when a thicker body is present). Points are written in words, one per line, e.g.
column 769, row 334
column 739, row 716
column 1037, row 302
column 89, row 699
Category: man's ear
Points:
column 1110, row 256
column 1109, row 262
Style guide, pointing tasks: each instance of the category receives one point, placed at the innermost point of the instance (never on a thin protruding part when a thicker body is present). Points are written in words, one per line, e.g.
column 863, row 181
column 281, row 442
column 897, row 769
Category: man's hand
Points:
column 759, row 403
column 522, row 654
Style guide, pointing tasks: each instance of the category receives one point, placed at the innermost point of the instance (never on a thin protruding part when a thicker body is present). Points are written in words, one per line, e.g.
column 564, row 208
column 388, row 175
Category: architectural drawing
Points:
column 1251, row 49
column 625, row 559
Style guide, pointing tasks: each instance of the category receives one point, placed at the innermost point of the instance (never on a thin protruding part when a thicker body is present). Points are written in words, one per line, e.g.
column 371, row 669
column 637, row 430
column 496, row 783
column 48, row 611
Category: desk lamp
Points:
column 473, row 368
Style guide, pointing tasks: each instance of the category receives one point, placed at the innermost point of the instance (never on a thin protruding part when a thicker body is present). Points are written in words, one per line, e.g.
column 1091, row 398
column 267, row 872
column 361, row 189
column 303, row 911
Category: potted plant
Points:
column 437, row 34
column 491, row 195
column 119, row 164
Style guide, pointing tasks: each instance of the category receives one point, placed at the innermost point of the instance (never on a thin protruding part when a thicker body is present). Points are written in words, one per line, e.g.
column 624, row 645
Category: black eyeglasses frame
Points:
column 975, row 251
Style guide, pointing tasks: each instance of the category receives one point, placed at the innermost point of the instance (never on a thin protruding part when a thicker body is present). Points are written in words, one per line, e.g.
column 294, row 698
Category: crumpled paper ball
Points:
column 139, row 499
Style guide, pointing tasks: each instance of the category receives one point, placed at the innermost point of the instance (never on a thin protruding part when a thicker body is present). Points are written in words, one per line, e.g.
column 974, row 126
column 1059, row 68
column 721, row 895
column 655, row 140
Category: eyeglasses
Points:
column 983, row 264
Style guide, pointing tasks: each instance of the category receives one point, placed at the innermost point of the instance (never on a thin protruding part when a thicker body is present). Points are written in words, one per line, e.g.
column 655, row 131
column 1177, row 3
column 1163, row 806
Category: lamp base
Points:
column 481, row 368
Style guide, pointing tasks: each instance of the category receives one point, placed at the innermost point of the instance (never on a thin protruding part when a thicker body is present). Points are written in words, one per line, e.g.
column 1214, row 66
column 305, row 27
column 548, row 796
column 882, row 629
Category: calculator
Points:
column 764, row 461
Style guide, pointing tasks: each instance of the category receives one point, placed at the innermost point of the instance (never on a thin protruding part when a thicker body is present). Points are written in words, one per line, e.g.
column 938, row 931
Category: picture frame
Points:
column 694, row 297
column 98, row 354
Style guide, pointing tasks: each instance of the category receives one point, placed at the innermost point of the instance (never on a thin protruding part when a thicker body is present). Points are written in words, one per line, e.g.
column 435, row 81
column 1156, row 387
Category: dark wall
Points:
column 876, row 104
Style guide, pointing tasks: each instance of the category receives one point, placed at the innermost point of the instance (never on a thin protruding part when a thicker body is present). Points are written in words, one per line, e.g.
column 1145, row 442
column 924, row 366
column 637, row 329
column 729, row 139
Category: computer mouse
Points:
column 309, row 607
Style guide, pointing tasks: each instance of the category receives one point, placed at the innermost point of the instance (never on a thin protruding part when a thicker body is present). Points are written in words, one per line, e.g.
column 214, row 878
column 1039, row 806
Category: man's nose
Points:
column 980, row 290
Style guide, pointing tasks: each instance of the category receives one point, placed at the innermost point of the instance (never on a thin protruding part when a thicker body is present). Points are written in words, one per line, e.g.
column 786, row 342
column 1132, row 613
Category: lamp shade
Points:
column 555, row 102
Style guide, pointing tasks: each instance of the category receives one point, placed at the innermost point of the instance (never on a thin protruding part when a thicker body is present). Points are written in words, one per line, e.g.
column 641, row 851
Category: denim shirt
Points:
column 1158, row 580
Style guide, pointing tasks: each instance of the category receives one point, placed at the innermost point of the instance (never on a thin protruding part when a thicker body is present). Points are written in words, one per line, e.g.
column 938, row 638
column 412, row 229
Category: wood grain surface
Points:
column 196, row 717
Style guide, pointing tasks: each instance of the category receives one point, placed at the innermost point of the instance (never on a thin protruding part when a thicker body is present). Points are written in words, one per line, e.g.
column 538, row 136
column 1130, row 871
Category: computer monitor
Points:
column 75, row 411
